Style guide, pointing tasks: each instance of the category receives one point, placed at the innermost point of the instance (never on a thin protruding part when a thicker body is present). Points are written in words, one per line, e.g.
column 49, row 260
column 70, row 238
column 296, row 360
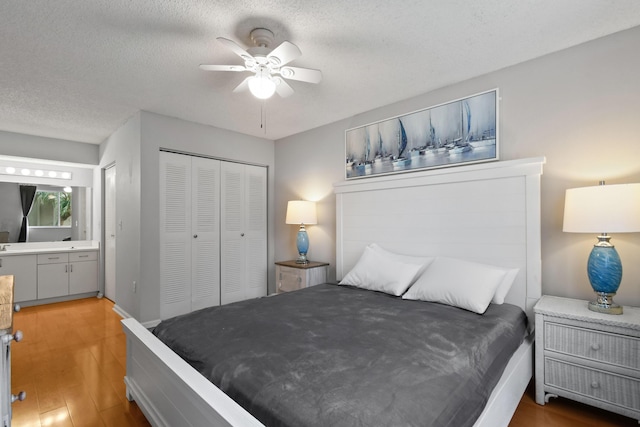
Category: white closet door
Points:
column 244, row 232
column 175, row 234
column 205, row 273
column 256, row 231
column 232, row 255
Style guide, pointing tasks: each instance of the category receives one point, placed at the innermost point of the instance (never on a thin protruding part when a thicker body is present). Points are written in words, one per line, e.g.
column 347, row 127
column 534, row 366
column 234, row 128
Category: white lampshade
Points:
column 262, row 85
column 602, row 209
column 301, row 212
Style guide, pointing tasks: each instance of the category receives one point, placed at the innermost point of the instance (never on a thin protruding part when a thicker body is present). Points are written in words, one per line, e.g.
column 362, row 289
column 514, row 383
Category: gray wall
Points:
column 123, row 149
column 578, row 108
column 38, row 147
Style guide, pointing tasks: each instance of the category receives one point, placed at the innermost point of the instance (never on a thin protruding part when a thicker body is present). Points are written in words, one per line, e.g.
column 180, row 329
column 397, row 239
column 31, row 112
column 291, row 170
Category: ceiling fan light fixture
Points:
column 262, row 85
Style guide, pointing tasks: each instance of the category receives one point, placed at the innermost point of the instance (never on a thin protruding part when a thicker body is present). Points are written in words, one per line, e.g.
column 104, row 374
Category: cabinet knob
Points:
column 595, row 384
column 241, row 234
column 8, row 337
column 195, row 236
column 20, row 396
column 595, row 346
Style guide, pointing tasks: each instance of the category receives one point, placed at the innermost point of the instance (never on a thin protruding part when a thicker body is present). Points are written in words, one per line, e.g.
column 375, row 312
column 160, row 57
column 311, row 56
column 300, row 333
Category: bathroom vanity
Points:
column 51, row 271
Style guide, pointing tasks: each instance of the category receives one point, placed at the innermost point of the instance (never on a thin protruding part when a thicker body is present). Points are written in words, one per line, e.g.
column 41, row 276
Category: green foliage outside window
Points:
column 50, row 209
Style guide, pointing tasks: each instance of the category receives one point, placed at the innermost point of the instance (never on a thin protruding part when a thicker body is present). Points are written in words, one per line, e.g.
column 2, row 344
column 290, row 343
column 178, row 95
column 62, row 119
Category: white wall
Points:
column 123, row 149
column 578, row 108
column 38, row 147
column 170, row 133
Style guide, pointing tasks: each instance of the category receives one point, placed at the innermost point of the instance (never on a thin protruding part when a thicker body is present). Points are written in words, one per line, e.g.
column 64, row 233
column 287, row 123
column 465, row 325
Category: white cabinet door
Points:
column 243, row 232
column 205, row 228
column 24, row 270
column 53, row 280
column 175, row 234
column 83, row 277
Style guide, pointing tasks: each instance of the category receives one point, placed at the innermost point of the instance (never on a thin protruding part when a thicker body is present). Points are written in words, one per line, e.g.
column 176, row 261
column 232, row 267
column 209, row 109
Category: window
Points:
column 51, row 209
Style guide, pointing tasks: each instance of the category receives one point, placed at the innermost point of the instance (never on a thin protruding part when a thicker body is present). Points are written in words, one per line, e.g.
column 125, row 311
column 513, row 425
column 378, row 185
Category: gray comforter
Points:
column 332, row 355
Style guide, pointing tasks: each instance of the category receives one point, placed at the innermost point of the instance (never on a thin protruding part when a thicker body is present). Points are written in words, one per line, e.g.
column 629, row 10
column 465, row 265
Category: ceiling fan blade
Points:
column 235, row 48
column 301, row 74
column 283, row 88
column 222, row 67
column 284, row 54
column 244, row 85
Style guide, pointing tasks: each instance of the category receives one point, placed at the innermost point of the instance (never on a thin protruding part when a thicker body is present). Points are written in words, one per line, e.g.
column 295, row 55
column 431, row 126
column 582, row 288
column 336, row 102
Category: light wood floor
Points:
column 72, row 361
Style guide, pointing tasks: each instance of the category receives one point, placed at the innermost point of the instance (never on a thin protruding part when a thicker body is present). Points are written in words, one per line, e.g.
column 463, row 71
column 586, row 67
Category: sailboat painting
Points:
column 451, row 134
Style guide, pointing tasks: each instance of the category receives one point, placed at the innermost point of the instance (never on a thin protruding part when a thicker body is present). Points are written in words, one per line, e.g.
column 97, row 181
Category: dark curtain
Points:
column 27, row 194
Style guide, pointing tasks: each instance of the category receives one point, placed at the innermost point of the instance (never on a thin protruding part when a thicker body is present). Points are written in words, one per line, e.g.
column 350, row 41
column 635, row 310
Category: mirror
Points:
column 76, row 224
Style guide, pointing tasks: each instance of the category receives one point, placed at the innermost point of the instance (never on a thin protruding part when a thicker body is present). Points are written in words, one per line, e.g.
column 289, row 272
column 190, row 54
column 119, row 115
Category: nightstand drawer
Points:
column 595, row 345
column 289, row 279
column 291, row 276
column 611, row 388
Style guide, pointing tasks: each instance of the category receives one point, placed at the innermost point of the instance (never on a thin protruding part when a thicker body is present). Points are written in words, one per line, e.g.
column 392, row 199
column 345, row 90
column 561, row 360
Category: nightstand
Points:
column 291, row 276
column 590, row 357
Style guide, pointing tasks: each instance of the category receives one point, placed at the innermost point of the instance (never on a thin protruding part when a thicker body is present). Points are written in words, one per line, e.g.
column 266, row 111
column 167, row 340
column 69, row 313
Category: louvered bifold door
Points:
column 175, row 234
column 205, row 273
column 255, row 183
column 243, row 216
column 232, row 254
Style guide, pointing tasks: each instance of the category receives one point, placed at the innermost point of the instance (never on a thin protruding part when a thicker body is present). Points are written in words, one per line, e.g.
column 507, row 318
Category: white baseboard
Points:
column 121, row 312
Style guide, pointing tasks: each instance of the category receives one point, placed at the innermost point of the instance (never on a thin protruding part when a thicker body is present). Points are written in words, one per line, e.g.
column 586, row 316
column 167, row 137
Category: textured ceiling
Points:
column 77, row 69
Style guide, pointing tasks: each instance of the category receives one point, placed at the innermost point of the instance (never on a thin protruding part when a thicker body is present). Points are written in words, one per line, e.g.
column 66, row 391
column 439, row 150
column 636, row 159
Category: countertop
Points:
column 35, row 248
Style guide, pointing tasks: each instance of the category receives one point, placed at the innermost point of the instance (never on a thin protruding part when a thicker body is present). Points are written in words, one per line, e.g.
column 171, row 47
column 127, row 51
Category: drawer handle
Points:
column 54, row 257
column 83, row 256
column 595, row 384
column 595, row 346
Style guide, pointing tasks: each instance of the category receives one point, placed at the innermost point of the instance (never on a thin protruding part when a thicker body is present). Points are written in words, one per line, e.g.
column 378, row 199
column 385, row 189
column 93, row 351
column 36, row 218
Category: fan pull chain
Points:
column 263, row 116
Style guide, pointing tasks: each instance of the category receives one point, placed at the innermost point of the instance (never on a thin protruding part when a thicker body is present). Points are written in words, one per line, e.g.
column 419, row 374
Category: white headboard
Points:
column 486, row 212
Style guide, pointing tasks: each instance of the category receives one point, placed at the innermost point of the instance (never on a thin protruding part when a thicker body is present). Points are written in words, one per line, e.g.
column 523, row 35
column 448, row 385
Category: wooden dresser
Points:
column 590, row 357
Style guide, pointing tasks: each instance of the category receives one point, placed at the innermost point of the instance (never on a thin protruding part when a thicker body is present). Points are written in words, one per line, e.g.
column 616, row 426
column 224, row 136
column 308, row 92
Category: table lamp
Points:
column 302, row 212
column 604, row 209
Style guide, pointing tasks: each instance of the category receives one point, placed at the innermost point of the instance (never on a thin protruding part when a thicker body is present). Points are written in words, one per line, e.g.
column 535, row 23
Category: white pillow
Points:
column 376, row 272
column 409, row 259
column 463, row 284
column 505, row 286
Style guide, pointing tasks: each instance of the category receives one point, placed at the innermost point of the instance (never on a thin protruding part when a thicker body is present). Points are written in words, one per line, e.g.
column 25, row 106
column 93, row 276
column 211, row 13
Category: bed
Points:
column 487, row 213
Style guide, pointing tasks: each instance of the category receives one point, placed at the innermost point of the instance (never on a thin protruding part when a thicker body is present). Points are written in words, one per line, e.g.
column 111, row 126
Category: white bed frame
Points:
column 486, row 212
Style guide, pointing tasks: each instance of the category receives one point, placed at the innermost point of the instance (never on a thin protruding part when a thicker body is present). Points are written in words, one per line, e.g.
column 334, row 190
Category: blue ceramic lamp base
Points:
column 605, row 273
column 303, row 245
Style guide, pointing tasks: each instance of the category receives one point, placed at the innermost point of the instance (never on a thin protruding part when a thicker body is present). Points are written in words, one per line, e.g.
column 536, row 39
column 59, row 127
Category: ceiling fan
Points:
column 268, row 65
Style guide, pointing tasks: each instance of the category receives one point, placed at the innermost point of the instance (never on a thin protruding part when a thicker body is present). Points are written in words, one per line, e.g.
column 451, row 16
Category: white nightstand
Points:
column 291, row 276
column 590, row 357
